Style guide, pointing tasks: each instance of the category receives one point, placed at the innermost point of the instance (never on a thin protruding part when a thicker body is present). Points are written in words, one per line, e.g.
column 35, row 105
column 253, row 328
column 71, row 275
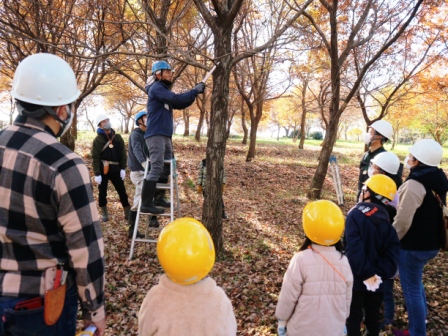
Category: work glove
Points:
column 199, row 189
column 200, row 87
column 373, row 283
column 122, row 174
column 98, row 179
column 144, row 164
column 223, row 187
column 281, row 329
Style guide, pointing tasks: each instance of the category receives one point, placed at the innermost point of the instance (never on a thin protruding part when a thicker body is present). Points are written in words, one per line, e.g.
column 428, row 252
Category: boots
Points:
column 126, row 210
column 105, row 214
column 148, row 192
column 131, row 222
column 159, row 199
column 153, row 222
column 224, row 216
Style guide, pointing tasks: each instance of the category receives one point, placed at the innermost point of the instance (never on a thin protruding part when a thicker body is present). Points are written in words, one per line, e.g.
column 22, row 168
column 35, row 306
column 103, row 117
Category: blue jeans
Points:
column 31, row 322
column 388, row 300
column 411, row 277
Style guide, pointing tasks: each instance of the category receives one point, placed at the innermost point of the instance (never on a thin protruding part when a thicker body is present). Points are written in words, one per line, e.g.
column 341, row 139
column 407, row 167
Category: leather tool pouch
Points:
column 105, row 167
column 54, row 304
column 54, row 298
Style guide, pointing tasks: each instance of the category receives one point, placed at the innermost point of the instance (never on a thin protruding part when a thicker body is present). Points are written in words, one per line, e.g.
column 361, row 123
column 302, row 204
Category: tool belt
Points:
column 106, row 165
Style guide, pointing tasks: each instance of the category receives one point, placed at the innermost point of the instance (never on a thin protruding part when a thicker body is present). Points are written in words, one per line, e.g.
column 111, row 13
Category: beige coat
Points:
column 200, row 309
column 315, row 299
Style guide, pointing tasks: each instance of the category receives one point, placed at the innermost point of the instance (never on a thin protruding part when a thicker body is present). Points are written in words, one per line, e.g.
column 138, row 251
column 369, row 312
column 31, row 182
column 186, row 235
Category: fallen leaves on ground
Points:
column 264, row 201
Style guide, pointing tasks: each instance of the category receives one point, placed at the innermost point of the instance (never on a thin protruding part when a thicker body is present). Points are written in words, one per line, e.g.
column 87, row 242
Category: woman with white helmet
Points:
column 418, row 223
column 378, row 134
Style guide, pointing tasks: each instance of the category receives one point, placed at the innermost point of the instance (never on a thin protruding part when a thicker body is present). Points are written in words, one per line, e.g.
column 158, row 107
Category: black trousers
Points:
column 370, row 303
column 118, row 183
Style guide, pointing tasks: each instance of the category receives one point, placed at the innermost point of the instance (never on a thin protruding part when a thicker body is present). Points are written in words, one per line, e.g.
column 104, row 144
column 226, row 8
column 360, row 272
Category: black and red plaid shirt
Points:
column 47, row 214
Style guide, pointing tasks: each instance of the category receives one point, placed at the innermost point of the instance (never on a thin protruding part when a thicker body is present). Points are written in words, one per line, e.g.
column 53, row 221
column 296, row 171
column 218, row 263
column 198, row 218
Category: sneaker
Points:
column 397, row 332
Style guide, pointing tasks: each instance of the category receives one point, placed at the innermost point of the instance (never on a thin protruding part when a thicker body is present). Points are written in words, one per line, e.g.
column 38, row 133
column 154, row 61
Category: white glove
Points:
column 144, row 164
column 98, row 179
column 122, row 174
column 373, row 283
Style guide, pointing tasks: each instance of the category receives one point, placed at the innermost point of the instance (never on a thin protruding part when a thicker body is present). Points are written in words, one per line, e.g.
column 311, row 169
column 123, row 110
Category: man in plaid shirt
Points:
column 47, row 210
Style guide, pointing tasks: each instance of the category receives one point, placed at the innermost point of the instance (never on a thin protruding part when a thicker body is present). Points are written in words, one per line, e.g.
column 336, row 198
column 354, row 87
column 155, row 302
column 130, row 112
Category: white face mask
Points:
column 107, row 126
column 405, row 162
column 65, row 126
column 370, row 171
column 367, row 138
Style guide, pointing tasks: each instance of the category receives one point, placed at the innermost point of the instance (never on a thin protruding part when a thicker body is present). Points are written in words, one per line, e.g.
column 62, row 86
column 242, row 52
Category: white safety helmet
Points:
column 387, row 161
column 45, row 80
column 427, row 151
column 100, row 117
column 384, row 128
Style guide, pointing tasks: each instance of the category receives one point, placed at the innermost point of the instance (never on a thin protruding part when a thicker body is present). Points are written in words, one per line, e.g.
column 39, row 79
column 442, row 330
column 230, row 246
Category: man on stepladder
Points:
column 378, row 134
column 159, row 131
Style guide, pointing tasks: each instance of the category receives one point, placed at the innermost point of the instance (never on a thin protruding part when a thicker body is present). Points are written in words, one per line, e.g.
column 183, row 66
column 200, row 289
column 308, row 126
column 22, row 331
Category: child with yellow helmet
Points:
column 387, row 163
column 372, row 248
column 317, row 286
column 186, row 301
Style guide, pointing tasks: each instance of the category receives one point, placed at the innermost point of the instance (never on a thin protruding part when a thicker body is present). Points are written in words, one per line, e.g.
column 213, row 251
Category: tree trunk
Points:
column 216, row 144
column 255, row 120
column 197, row 136
column 303, row 119
column 243, row 123
column 186, row 118
column 319, row 177
column 252, row 141
column 69, row 138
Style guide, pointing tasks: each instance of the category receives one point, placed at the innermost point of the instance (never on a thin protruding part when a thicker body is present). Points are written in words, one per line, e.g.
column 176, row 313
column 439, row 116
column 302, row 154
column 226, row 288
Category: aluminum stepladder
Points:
column 337, row 180
column 172, row 186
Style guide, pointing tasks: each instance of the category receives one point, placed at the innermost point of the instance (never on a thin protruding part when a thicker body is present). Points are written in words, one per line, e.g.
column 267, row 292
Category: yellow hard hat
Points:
column 185, row 250
column 323, row 222
column 382, row 185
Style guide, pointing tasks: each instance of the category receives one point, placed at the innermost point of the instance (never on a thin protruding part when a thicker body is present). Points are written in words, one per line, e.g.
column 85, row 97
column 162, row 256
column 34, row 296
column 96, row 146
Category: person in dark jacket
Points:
column 109, row 163
column 388, row 163
column 418, row 222
column 159, row 128
column 137, row 158
column 372, row 249
column 379, row 133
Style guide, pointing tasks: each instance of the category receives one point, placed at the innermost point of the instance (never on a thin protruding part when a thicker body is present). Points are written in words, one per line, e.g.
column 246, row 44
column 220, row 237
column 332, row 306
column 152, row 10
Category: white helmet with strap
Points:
column 100, row 117
column 387, row 161
column 45, row 80
column 427, row 151
column 384, row 128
